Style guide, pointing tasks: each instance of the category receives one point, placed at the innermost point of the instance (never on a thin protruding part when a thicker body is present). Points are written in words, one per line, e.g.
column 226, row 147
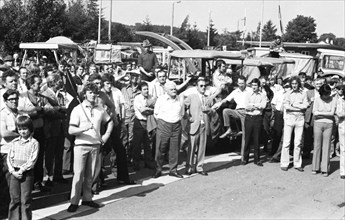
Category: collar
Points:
column 9, row 111
column 298, row 91
column 22, row 140
column 169, row 98
column 88, row 105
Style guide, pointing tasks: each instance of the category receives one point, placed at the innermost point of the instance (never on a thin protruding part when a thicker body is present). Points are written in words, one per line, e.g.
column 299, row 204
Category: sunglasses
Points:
column 12, row 99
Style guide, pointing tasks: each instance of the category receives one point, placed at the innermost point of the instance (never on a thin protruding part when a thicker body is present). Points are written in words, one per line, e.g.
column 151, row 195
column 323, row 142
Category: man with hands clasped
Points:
column 85, row 124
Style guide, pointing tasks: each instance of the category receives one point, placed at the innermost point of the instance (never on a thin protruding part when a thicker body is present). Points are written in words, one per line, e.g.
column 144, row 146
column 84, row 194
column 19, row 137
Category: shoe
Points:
column 226, row 134
column 314, row 172
column 259, row 164
column 72, row 208
column 325, row 174
column 175, row 174
column 284, row 168
column 204, row 173
column 273, row 160
column 126, row 182
column 91, row 204
column 243, row 163
column 49, row 183
column 342, row 177
column 300, row 169
column 236, row 134
column 39, row 187
column 95, row 192
column 157, row 174
column 188, row 173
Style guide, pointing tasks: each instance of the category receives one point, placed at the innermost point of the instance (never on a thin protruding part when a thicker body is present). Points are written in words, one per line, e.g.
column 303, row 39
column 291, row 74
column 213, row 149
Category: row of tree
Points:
column 39, row 20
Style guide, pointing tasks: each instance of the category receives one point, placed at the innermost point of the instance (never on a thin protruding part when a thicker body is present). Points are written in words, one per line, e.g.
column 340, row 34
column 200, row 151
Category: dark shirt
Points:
column 149, row 62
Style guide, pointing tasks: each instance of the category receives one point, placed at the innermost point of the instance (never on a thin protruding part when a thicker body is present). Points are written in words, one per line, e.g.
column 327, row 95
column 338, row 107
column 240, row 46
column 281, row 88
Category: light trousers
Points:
column 293, row 122
column 85, row 160
column 322, row 145
column 196, row 150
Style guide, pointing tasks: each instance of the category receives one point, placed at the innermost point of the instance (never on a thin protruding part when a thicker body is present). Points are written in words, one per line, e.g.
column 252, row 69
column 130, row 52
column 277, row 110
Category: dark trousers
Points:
column 39, row 170
column 308, row 139
column 265, row 134
column 120, row 151
column 167, row 140
column 141, row 137
column 252, row 125
column 20, row 191
column 277, row 131
column 53, row 155
column 4, row 186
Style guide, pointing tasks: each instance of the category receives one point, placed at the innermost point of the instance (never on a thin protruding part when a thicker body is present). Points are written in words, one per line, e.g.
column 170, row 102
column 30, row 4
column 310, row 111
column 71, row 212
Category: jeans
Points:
column 293, row 122
column 20, row 192
column 322, row 145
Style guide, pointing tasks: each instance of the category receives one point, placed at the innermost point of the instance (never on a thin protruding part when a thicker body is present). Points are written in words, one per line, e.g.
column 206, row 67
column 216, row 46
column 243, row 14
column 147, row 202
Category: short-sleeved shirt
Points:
column 258, row 99
column 148, row 61
column 168, row 109
column 239, row 96
column 7, row 118
column 96, row 114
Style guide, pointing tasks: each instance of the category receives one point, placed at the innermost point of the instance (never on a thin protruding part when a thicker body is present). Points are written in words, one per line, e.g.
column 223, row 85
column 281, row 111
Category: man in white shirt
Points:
column 140, row 134
column 239, row 96
column 168, row 112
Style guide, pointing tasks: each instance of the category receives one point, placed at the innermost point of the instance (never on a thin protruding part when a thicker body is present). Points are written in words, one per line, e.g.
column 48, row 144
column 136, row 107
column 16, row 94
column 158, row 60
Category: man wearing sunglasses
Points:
column 8, row 132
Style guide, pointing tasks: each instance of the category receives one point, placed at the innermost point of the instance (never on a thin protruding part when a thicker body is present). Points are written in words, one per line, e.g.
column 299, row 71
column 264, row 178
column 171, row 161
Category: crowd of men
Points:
column 83, row 113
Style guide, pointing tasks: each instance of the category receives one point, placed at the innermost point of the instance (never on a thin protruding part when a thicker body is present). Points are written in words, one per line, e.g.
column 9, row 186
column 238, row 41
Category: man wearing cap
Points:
column 147, row 62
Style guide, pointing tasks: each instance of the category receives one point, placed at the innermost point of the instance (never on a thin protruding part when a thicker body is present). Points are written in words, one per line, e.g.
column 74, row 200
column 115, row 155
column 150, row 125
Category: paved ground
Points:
column 231, row 191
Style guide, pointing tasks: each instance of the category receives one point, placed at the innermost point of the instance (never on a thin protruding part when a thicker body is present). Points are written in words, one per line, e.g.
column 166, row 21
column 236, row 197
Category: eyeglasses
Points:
column 202, row 86
column 12, row 99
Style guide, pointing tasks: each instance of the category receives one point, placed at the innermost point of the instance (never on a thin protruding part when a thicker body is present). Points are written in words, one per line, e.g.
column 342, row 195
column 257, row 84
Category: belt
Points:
column 240, row 109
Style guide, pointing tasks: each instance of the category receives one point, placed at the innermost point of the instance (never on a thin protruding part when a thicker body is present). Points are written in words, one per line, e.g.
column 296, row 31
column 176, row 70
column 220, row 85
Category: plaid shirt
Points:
column 23, row 154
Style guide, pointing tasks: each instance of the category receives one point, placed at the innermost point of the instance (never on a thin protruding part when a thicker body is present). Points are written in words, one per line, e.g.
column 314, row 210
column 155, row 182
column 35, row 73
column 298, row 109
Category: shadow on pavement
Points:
column 140, row 191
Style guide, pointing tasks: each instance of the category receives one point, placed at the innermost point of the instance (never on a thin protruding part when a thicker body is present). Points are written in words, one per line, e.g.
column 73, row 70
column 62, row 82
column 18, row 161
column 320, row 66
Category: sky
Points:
column 227, row 14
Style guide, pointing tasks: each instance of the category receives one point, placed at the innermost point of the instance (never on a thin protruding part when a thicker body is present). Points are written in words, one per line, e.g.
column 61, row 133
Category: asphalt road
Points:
column 233, row 191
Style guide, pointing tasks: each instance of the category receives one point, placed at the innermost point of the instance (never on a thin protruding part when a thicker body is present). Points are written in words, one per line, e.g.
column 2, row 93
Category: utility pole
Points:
column 209, row 29
column 172, row 16
column 109, row 28
column 262, row 20
column 99, row 21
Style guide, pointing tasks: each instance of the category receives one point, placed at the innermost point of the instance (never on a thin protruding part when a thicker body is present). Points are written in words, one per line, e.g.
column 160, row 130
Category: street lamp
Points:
column 172, row 17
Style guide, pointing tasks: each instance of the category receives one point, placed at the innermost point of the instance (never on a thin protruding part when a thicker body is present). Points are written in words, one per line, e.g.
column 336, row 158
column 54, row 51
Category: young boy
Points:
column 22, row 156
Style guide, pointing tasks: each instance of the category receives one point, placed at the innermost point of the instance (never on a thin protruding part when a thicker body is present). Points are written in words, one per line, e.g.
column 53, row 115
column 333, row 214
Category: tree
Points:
column 326, row 36
column 301, row 29
column 12, row 18
column 45, row 19
column 229, row 39
column 76, row 19
column 340, row 41
column 269, row 31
